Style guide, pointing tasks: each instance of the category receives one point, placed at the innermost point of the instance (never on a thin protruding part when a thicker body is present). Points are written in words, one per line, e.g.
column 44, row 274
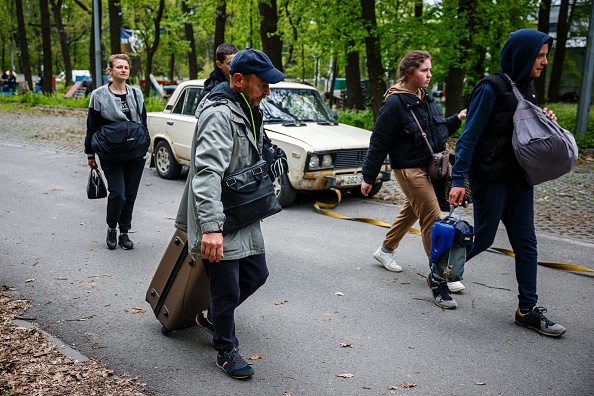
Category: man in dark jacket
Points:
column 499, row 189
column 224, row 55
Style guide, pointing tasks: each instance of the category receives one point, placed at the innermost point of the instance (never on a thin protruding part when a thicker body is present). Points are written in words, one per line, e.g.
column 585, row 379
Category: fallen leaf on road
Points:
column 345, row 345
column 30, row 280
column 280, row 302
column 480, row 383
column 255, row 357
column 405, row 384
column 339, row 293
column 345, row 375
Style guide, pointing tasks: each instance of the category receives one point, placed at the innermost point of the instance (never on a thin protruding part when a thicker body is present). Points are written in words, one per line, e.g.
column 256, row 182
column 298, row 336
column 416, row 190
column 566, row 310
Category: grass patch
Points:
column 57, row 99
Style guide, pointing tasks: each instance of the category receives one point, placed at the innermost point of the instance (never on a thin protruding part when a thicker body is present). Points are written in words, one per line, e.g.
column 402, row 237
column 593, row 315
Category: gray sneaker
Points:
column 441, row 294
column 387, row 260
column 536, row 320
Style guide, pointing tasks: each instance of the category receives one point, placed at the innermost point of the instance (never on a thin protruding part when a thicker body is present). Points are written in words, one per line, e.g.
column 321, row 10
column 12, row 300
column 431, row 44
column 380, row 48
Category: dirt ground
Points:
column 30, row 363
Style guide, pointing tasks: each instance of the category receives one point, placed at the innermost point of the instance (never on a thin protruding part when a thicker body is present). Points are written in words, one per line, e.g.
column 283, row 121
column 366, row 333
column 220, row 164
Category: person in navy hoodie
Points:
column 499, row 190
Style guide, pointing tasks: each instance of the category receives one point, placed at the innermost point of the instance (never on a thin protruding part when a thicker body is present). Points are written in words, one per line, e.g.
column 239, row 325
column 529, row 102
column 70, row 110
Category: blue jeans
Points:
column 231, row 283
column 123, row 180
column 512, row 202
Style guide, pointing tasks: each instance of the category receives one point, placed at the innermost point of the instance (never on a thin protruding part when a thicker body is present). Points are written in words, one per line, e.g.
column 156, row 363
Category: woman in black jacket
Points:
column 116, row 102
column 396, row 133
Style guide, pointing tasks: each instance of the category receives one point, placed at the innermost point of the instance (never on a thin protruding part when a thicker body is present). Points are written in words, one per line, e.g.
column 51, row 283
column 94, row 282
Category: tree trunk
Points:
column 97, row 80
column 152, row 49
column 457, row 72
column 171, row 67
column 544, row 12
column 57, row 9
column 221, row 21
column 115, row 25
column 419, row 9
column 272, row 44
column 555, row 82
column 354, row 96
column 24, row 45
column 46, row 41
column 189, row 32
column 375, row 69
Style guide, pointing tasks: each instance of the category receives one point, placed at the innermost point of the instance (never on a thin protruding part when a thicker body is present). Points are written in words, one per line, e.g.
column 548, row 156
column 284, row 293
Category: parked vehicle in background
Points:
column 321, row 153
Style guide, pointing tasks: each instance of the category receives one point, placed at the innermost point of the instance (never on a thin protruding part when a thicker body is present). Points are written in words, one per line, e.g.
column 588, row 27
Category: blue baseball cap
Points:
column 253, row 61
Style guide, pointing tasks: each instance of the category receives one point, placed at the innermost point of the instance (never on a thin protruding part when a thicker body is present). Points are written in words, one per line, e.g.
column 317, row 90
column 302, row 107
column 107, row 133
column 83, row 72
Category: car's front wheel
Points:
column 356, row 191
column 165, row 163
column 285, row 193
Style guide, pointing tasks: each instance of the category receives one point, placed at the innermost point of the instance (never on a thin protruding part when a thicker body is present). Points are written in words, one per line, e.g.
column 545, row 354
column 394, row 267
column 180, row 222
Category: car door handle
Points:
column 169, row 122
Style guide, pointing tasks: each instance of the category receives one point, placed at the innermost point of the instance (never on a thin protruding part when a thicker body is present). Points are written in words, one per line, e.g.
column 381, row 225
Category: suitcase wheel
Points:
column 177, row 240
column 164, row 331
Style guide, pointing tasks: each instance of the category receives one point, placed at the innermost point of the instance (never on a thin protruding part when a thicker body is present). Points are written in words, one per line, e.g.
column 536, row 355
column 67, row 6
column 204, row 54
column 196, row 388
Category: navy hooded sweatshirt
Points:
column 484, row 150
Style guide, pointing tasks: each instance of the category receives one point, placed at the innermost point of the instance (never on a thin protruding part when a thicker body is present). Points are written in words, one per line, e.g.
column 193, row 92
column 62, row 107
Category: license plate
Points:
column 354, row 180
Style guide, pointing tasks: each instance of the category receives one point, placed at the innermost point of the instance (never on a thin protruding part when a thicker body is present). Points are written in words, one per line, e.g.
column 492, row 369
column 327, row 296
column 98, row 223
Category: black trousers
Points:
column 231, row 283
column 123, row 179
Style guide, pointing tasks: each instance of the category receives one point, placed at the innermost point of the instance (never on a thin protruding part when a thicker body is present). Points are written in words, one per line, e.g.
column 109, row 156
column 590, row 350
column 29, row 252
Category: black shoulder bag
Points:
column 248, row 196
column 122, row 140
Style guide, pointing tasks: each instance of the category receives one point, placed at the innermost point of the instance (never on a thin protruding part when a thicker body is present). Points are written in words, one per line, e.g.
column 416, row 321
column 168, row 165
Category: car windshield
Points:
column 285, row 105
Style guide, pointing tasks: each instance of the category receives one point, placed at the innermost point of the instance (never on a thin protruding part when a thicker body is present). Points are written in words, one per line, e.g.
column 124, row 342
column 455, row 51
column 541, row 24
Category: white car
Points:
column 321, row 153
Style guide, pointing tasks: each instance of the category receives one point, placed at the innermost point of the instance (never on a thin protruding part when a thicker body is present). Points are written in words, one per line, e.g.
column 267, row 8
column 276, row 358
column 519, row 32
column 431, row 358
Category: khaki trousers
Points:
column 420, row 204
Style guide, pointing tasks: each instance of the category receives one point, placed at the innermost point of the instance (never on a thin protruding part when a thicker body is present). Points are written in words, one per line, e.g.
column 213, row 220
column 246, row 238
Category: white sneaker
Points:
column 456, row 287
column 387, row 260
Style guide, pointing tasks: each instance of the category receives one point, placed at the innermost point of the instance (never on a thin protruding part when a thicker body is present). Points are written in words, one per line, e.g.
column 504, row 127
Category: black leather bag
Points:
column 248, row 196
column 121, row 141
column 96, row 187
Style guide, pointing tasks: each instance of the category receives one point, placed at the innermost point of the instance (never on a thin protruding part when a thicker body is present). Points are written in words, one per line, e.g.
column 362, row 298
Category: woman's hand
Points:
column 462, row 114
column 549, row 114
column 366, row 188
column 92, row 163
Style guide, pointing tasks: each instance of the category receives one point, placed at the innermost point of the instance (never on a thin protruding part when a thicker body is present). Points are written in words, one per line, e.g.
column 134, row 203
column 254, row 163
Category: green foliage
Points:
column 567, row 116
column 152, row 104
column 358, row 118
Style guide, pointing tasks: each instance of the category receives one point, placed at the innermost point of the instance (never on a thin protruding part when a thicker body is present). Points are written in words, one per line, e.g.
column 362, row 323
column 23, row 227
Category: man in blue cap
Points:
column 228, row 137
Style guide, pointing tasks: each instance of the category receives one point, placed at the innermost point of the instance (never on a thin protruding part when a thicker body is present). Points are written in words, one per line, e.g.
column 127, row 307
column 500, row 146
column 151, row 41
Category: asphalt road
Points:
column 342, row 312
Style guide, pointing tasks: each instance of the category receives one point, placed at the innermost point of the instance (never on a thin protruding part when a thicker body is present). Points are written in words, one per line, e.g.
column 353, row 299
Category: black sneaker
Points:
column 441, row 293
column 234, row 365
column 536, row 320
column 125, row 242
column 204, row 322
column 110, row 241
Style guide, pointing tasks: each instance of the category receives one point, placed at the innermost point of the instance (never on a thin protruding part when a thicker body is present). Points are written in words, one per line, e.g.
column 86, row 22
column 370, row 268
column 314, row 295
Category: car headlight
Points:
column 314, row 162
column 326, row 161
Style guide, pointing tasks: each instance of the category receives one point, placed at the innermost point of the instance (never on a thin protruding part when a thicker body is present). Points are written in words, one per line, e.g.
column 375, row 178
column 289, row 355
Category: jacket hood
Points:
column 398, row 88
column 519, row 54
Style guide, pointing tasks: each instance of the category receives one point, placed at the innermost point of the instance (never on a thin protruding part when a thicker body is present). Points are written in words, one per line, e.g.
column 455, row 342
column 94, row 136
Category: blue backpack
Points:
column 451, row 240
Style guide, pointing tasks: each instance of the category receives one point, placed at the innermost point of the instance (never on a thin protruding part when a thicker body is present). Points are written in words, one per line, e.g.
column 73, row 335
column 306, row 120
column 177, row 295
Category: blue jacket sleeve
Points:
column 479, row 112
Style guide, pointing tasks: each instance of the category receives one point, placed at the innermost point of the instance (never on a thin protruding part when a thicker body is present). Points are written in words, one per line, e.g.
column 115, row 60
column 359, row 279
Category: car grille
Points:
column 349, row 159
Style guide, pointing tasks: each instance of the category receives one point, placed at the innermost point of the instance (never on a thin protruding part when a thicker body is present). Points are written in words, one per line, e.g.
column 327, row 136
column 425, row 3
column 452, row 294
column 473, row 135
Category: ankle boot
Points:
column 125, row 242
column 110, row 241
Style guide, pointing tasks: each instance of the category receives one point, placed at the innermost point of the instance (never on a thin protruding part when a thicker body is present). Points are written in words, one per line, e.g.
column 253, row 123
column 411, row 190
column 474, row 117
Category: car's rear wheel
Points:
column 165, row 163
column 285, row 193
column 356, row 191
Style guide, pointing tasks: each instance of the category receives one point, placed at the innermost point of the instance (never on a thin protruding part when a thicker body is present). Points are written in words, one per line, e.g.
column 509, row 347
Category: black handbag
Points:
column 121, row 141
column 96, row 187
column 248, row 196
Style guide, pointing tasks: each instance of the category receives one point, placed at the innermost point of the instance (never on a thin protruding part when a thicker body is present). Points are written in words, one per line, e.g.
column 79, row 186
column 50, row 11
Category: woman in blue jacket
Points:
column 499, row 189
